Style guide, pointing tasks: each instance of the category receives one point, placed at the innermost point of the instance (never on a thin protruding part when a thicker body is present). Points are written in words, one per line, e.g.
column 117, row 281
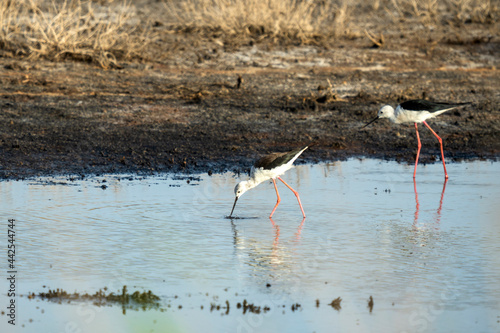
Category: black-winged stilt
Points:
column 271, row 166
column 417, row 111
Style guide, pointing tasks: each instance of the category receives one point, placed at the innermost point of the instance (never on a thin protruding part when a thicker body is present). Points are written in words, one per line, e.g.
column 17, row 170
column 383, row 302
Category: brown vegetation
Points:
column 72, row 29
column 106, row 32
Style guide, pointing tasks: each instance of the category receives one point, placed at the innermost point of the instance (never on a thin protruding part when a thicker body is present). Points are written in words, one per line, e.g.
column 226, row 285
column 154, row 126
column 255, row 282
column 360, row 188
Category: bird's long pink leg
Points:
column 418, row 151
column 296, row 194
column 278, row 201
column 442, row 153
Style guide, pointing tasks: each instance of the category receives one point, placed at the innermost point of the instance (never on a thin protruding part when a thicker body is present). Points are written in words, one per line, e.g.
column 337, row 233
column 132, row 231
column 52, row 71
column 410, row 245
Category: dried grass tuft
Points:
column 108, row 31
column 72, row 29
column 298, row 21
column 460, row 11
column 475, row 11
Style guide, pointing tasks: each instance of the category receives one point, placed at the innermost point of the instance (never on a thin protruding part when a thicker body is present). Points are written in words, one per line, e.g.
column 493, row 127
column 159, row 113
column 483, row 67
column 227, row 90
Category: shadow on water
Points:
column 240, row 217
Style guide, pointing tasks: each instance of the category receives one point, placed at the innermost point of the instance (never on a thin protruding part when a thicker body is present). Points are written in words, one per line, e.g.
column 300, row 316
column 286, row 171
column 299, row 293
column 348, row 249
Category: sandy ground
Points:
column 208, row 107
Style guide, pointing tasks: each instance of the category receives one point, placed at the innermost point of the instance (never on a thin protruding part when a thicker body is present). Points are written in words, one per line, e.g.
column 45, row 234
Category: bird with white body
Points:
column 271, row 166
column 417, row 111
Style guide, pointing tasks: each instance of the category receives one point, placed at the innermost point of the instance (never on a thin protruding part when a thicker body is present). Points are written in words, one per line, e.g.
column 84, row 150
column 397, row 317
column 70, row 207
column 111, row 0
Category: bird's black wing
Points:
column 274, row 160
column 423, row 105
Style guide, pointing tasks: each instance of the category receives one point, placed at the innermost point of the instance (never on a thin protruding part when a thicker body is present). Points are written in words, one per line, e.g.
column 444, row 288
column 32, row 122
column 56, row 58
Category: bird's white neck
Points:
column 251, row 183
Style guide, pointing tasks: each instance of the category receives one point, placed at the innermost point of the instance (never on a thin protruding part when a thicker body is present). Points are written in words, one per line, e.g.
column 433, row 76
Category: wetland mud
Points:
column 210, row 106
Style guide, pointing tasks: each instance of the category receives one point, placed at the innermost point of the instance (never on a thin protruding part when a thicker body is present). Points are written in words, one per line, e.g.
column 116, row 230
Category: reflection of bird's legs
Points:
column 277, row 237
column 296, row 194
column 299, row 229
column 418, row 152
column 438, row 218
column 278, row 201
column 417, row 208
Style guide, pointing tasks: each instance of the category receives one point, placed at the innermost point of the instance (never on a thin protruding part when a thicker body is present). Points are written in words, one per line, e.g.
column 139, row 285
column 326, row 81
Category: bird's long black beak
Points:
column 376, row 118
column 234, row 205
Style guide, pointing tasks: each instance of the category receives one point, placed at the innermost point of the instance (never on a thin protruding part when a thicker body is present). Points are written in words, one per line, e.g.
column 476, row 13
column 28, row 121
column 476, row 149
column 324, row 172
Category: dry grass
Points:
column 299, row 21
column 318, row 21
column 72, row 29
column 108, row 31
column 458, row 11
column 475, row 11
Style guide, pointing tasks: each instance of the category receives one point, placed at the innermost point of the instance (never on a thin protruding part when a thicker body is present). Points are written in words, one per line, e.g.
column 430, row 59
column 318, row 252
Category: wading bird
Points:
column 417, row 111
column 271, row 166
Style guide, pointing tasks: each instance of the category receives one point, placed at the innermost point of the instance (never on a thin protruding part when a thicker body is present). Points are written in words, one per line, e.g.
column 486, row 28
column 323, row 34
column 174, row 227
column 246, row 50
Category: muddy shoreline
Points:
column 220, row 112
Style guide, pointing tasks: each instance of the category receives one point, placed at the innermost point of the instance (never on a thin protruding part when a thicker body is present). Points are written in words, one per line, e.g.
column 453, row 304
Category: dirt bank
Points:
column 206, row 107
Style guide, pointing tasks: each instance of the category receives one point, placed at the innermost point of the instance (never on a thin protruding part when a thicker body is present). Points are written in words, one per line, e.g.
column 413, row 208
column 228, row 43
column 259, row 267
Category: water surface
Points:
column 427, row 252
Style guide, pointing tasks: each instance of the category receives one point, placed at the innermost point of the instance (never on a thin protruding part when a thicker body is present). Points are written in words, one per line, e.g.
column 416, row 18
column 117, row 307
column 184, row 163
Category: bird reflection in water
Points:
column 277, row 227
column 268, row 257
column 279, row 254
column 437, row 218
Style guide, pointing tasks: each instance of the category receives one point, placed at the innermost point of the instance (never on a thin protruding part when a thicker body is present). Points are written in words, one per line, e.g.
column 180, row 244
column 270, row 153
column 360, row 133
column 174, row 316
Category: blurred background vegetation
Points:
column 107, row 31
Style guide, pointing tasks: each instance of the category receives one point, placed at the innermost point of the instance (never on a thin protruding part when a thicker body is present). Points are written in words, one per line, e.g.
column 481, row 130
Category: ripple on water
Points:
column 366, row 233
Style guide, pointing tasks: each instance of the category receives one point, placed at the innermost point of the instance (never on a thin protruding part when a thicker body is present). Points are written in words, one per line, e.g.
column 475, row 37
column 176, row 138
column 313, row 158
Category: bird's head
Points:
column 239, row 189
column 386, row 111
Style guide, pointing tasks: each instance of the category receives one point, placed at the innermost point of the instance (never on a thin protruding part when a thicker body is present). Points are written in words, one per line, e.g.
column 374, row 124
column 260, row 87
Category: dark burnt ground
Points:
column 185, row 114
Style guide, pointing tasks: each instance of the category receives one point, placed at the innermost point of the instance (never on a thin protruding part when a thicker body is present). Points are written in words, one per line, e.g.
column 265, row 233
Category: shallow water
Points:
column 429, row 259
